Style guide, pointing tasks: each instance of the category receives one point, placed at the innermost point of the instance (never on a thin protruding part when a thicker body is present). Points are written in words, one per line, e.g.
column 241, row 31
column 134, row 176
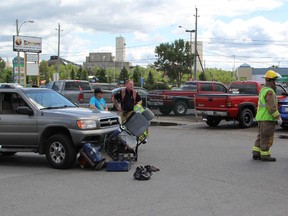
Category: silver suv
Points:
column 43, row 121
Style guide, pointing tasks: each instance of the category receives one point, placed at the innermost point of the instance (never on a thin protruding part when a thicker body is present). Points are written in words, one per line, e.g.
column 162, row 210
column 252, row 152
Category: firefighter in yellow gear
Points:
column 267, row 117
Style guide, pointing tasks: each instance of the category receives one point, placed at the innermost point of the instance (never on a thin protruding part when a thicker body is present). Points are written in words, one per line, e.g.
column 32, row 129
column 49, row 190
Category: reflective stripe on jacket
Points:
column 138, row 108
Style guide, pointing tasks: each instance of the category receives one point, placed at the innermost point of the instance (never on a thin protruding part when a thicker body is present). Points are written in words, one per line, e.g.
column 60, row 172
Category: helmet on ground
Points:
column 270, row 74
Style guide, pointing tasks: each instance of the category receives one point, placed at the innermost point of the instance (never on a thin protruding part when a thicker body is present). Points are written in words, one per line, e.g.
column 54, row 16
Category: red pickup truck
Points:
column 239, row 105
column 180, row 100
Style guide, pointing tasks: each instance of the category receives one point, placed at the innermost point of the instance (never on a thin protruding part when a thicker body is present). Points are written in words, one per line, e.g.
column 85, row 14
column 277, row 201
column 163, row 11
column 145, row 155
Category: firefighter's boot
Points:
column 256, row 153
column 266, row 156
column 256, row 157
column 268, row 159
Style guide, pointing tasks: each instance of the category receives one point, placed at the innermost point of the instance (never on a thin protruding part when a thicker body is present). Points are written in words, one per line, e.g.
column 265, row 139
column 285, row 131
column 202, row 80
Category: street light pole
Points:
column 18, row 53
column 191, row 42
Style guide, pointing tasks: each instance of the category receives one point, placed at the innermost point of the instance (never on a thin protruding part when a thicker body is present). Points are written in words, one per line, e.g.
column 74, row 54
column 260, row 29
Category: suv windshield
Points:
column 48, row 99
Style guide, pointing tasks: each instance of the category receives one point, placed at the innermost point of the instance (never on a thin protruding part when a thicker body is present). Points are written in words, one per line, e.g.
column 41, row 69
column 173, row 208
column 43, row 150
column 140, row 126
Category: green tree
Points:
column 5, row 72
column 79, row 73
column 2, row 70
column 202, row 76
column 73, row 74
column 124, row 74
column 150, row 81
column 174, row 59
column 101, row 75
column 137, row 75
column 84, row 75
column 2, row 64
column 219, row 75
column 110, row 75
column 44, row 71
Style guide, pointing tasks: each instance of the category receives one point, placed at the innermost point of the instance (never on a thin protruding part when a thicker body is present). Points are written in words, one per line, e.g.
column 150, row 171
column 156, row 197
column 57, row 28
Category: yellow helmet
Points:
column 270, row 74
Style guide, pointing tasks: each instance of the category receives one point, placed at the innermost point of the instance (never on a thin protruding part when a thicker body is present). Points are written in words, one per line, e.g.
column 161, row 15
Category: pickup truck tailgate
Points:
column 211, row 101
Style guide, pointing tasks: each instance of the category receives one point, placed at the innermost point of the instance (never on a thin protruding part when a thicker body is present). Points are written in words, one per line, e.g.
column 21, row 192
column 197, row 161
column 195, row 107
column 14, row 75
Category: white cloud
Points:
column 233, row 31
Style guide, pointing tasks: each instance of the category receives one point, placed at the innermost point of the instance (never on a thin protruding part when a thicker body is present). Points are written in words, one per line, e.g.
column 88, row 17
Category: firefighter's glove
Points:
column 279, row 121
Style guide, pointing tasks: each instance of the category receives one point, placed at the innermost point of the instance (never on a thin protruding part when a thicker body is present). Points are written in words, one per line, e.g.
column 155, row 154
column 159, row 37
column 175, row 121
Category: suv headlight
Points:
column 86, row 124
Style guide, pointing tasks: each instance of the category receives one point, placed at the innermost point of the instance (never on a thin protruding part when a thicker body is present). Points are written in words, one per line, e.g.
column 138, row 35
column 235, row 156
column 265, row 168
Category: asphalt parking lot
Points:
column 203, row 171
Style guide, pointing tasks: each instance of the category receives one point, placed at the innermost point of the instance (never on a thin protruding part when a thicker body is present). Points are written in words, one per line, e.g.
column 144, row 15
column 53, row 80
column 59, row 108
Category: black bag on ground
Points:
column 141, row 173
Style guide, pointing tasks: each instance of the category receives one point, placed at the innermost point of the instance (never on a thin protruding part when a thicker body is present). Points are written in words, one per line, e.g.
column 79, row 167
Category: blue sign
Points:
column 142, row 80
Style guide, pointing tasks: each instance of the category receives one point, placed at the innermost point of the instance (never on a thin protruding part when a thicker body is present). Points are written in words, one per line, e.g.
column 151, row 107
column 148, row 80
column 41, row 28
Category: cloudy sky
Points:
column 233, row 32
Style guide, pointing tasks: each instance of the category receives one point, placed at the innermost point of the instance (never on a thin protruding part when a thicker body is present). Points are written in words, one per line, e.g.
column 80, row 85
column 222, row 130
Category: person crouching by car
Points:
column 97, row 101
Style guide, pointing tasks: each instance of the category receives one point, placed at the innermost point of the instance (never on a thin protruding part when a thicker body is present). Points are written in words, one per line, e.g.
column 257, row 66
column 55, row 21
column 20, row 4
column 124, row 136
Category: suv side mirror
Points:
column 24, row 110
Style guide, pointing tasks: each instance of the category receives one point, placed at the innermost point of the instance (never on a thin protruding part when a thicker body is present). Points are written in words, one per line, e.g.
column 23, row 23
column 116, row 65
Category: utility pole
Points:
column 195, row 46
column 58, row 66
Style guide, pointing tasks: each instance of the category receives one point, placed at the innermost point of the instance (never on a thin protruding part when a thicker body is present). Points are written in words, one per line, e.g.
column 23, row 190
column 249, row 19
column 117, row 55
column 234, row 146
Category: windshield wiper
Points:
column 56, row 107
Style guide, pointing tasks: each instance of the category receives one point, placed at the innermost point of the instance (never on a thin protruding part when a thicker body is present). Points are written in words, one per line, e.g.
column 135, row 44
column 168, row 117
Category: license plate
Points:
column 156, row 103
column 209, row 112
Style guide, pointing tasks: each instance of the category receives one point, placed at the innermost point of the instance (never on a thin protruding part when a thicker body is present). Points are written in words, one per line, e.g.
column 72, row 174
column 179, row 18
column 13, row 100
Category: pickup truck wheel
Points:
column 246, row 118
column 213, row 122
column 165, row 111
column 180, row 108
column 59, row 152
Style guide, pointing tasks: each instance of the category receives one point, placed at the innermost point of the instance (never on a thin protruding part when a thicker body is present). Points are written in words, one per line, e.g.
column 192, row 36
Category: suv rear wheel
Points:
column 180, row 108
column 246, row 118
column 59, row 151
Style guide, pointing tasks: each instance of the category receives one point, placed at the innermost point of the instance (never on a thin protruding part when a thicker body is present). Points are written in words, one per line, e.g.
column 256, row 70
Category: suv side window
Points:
column 57, row 86
column 219, row 88
column 10, row 102
column 191, row 86
column 49, row 85
column 76, row 85
column 279, row 90
column 206, row 87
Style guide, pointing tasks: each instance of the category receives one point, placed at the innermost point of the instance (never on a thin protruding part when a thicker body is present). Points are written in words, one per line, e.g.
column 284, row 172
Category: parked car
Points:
column 77, row 91
column 181, row 99
column 283, row 109
column 10, row 85
column 239, row 105
column 144, row 94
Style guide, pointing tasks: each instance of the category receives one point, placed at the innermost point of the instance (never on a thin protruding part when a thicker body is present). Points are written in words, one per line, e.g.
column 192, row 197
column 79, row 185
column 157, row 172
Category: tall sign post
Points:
column 27, row 44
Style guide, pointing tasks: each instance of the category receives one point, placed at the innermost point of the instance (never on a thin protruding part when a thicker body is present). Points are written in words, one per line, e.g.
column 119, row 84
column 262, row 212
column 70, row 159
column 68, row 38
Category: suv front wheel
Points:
column 59, row 151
